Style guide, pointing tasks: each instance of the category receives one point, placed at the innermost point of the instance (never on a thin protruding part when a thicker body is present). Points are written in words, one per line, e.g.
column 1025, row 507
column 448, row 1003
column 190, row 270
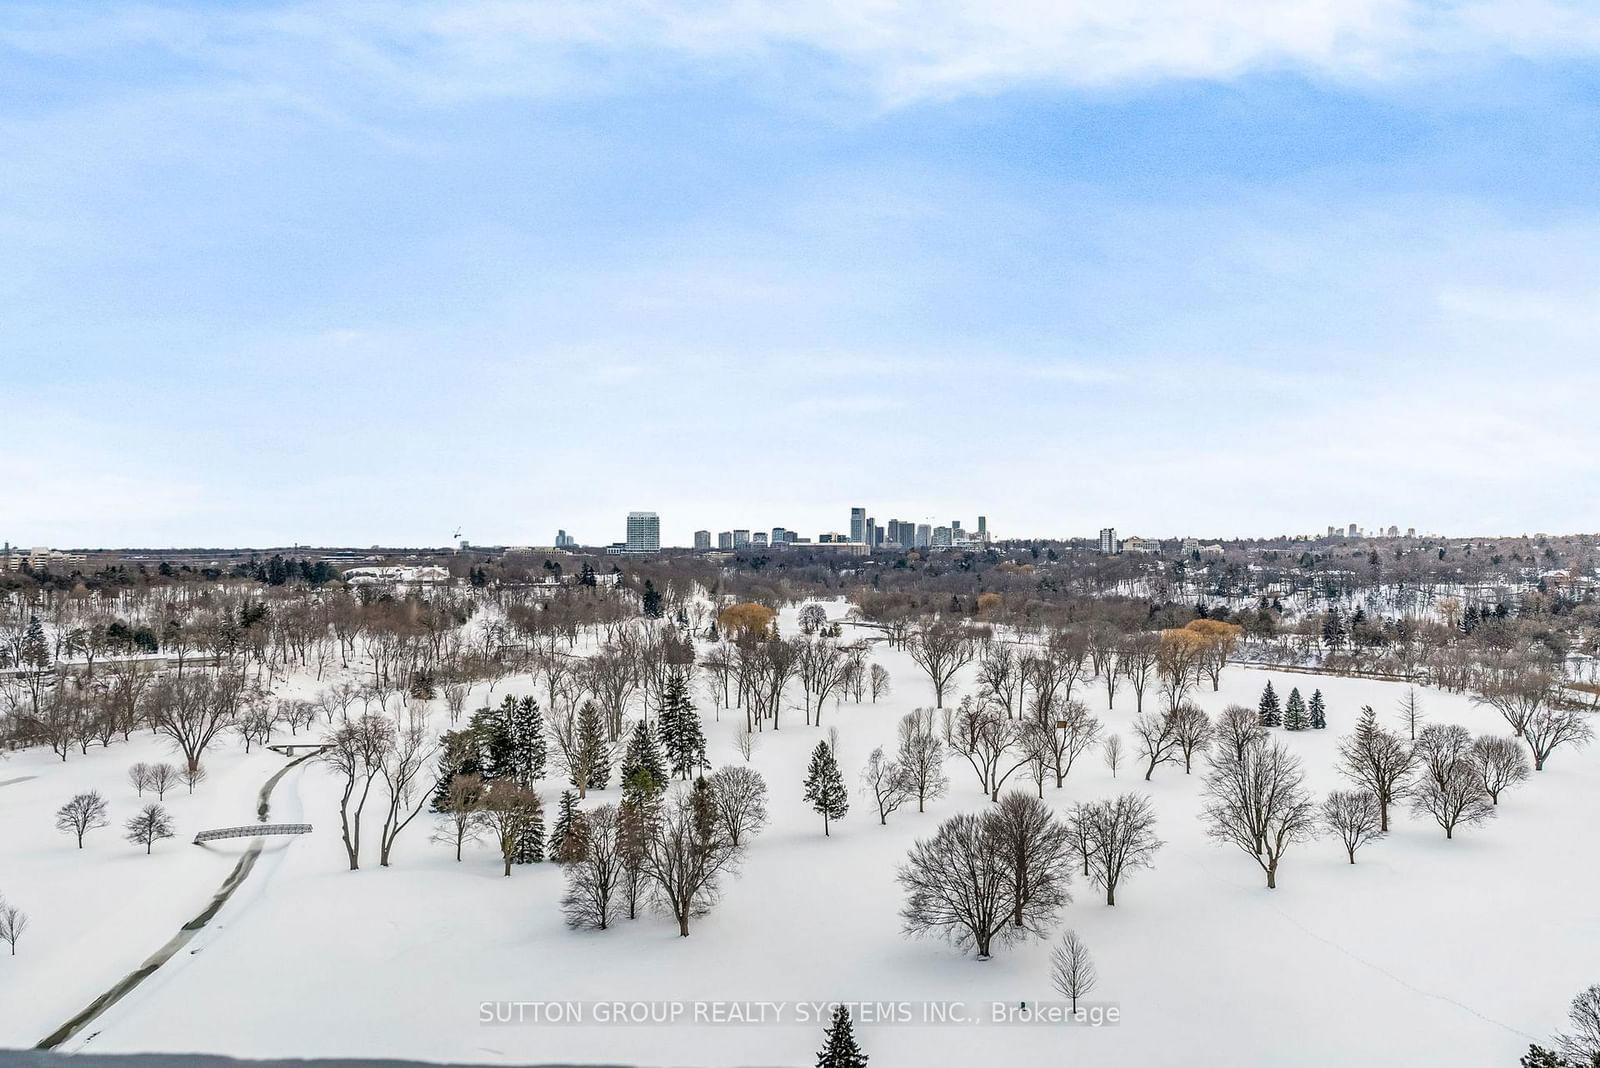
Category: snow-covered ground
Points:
column 1427, row 951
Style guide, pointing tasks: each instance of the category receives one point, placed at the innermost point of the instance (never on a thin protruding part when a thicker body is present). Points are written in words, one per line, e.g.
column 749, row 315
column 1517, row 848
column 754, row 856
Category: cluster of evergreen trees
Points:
column 507, row 744
column 1297, row 714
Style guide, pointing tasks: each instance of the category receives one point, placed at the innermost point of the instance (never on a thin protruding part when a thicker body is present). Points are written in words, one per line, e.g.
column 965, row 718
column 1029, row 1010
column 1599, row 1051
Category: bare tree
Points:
column 408, row 778
column 1072, row 970
column 740, row 797
column 192, row 777
column 192, row 709
column 1448, row 786
column 921, row 754
column 356, row 752
column 991, row 743
column 1157, row 739
column 139, row 777
column 510, row 814
column 460, row 811
column 878, row 681
column 1378, row 760
column 1000, row 678
column 161, row 777
column 84, row 813
column 1037, row 852
column 1519, row 696
column 1111, row 749
column 1238, row 728
column 820, row 664
column 686, row 856
column 1072, row 733
column 957, row 886
column 1137, row 660
column 1122, row 839
column 1500, row 763
column 1411, row 712
column 745, row 744
column 151, row 825
column 1193, row 730
column 1259, row 804
column 1581, row 1045
column 595, row 875
column 1548, row 729
column 1352, row 817
column 942, row 649
column 13, row 923
column 888, row 784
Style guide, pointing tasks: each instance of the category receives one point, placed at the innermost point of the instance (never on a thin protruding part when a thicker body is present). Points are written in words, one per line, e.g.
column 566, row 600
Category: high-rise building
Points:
column 565, row 540
column 983, row 529
column 941, row 537
column 644, row 532
column 702, row 540
column 1411, row 532
column 858, row 524
column 1108, row 539
column 741, row 539
column 924, row 535
column 759, row 540
column 1354, row 530
column 1394, row 531
column 779, row 536
column 725, row 540
column 1333, row 531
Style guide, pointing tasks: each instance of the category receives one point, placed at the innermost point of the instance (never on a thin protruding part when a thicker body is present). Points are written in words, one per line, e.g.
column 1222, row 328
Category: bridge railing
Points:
column 254, row 830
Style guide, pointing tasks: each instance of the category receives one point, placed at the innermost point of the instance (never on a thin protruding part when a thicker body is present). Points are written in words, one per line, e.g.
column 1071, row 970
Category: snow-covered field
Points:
column 1427, row 951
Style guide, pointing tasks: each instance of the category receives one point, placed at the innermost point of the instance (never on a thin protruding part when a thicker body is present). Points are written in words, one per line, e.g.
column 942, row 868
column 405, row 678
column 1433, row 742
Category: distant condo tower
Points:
column 644, row 532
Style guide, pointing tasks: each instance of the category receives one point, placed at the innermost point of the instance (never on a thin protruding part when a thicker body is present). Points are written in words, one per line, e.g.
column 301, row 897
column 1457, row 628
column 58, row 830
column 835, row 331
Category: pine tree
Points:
column 652, row 600
column 530, row 844
column 566, row 837
column 1294, row 714
column 825, row 786
column 592, row 748
column 1271, row 715
column 35, row 648
column 491, row 730
column 1319, row 717
column 644, row 776
column 682, row 736
column 458, row 755
column 839, row 1049
column 526, row 743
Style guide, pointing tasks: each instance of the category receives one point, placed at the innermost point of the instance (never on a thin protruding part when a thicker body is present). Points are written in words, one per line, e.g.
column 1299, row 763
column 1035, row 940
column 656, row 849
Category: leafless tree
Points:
column 1037, row 852
column 1378, row 760
column 593, row 878
column 820, row 665
column 1237, row 728
column 740, row 797
column 942, row 649
column 192, row 709
column 878, row 681
column 139, row 777
column 1550, row 728
column 84, row 813
column 1259, row 803
column 687, row 855
column 1581, row 1045
column 1137, row 660
column 921, row 754
column 1411, row 712
column 1500, row 763
column 192, row 777
column 460, row 812
column 13, row 923
column 161, row 777
column 1448, row 786
column 612, row 677
column 887, row 783
column 745, row 743
column 510, row 813
column 1000, row 678
column 991, row 743
column 1352, row 817
column 957, row 886
column 1519, row 696
column 1072, row 970
column 1193, row 730
column 1122, row 839
column 409, row 779
column 1111, row 749
column 356, row 752
column 151, row 825
column 1157, row 738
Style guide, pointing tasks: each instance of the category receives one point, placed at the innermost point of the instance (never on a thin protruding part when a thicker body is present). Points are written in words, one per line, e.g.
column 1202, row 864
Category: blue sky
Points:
column 355, row 273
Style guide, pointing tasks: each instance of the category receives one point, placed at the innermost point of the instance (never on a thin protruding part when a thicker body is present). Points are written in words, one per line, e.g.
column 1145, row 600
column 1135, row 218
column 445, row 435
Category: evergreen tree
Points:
column 839, row 1049
column 35, row 648
column 652, row 600
column 1271, row 715
column 530, row 843
column 1333, row 629
column 592, row 748
column 586, row 576
column 682, row 735
column 525, row 726
column 644, row 776
column 458, row 755
column 1319, row 716
column 1294, row 713
column 825, row 787
column 491, row 730
column 566, row 837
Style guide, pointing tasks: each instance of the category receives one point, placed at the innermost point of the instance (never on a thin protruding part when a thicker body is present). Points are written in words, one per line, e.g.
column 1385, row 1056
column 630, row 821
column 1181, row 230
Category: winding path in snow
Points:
column 241, row 871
